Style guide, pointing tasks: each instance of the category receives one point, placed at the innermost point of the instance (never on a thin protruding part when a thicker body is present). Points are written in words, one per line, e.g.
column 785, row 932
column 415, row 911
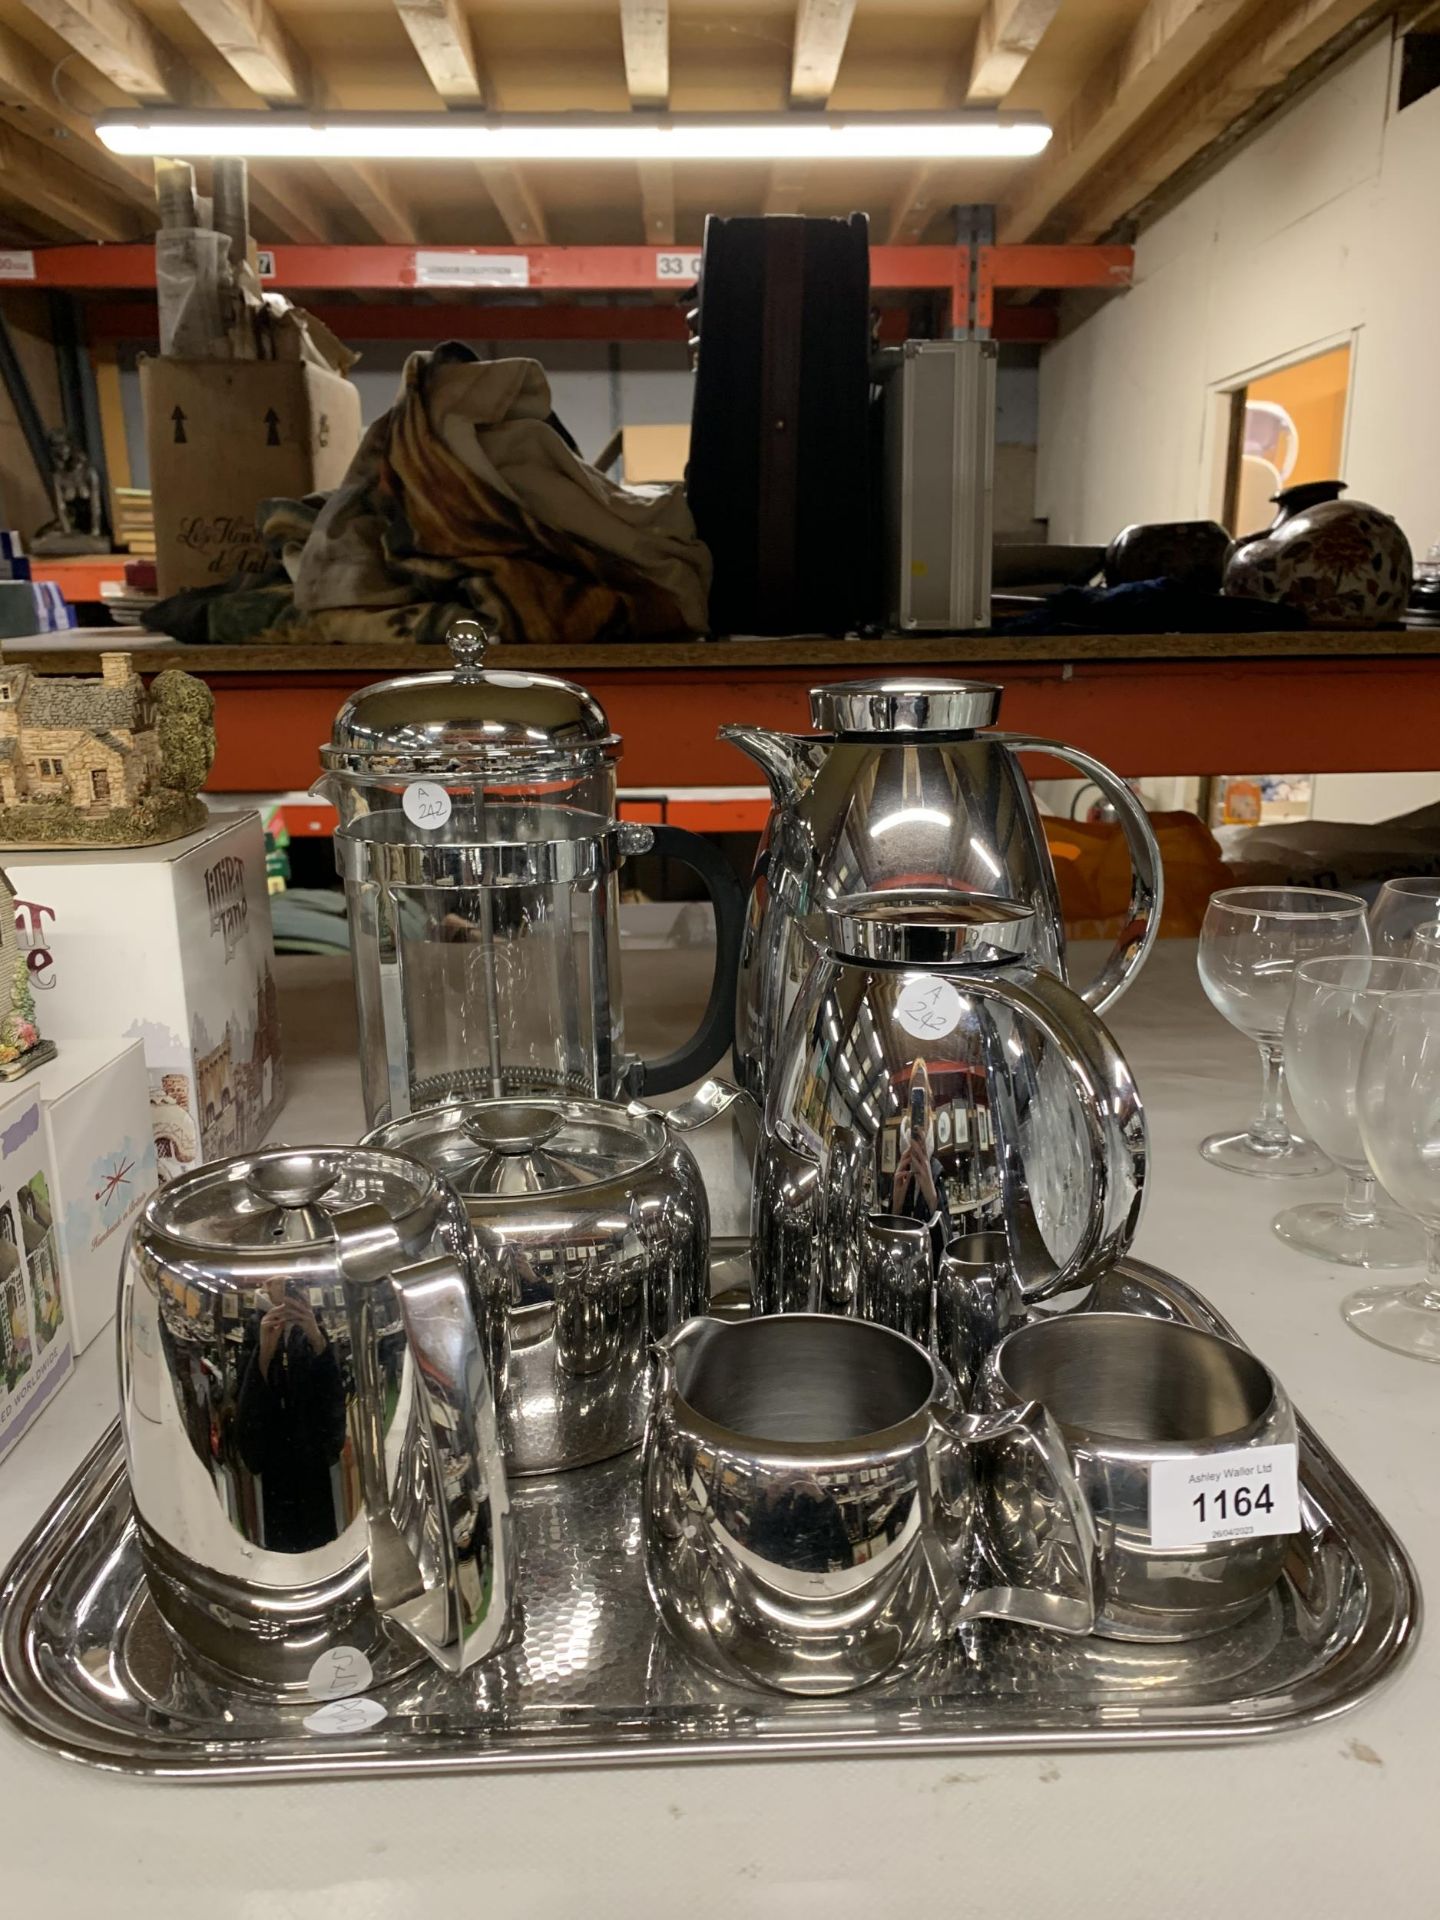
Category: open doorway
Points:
column 1286, row 427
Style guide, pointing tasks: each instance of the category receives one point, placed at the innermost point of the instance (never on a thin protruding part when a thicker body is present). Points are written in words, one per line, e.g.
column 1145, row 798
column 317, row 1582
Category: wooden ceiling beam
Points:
column 1168, row 38
column 822, row 28
column 249, row 36
column 657, row 201
column 1009, row 32
column 32, row 175
column 645, row 38
column 115, row 39
column 441, row 36
column 1263, row 56
column 516, row 204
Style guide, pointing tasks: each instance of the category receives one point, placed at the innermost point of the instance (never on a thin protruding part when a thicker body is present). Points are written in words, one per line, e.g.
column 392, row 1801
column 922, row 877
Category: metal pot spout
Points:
column 789, row 761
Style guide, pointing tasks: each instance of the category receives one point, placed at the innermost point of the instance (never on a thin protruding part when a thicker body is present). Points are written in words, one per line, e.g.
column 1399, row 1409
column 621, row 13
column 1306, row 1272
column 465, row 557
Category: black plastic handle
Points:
column 716, row 1031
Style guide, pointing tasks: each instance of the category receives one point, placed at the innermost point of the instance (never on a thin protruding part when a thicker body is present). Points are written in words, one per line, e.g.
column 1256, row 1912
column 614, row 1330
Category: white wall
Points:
column 1322, row 227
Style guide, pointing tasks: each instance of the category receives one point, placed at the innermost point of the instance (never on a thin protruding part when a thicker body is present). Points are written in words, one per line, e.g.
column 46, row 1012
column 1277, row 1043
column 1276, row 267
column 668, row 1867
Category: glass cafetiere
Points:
column 481, row 854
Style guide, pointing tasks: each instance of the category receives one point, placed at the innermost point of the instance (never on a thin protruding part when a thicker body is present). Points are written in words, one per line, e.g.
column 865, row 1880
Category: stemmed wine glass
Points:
column 1332, row 1007
column 1398, row 1100
column 1251, row 942
column 1405, row 918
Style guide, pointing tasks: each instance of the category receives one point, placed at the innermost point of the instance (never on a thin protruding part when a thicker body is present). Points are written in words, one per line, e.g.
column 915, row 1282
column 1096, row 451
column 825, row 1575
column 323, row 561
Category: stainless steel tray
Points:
column 87, row 1670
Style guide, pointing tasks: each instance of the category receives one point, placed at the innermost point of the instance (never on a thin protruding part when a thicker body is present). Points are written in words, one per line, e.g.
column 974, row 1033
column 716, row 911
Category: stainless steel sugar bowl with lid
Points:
column 593, row 1227
column 306, row 1361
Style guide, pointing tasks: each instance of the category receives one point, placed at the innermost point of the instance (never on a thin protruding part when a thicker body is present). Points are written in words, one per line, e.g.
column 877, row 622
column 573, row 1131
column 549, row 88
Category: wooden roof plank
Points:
column 1168, row 38
column 822, row 28
column 516, row 203
column 441, row 36
column 251, row 38
column 1009, row 32
column 114, row 38
column 33, row 175
column 1268, row 50
column 645, row 37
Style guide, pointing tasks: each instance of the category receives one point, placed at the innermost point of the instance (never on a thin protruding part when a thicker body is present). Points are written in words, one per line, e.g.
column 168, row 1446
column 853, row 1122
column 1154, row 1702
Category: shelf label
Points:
column 677, row 268
column 17, row 264
column 1203, row 1499
column 472, row 270
column 265, row 263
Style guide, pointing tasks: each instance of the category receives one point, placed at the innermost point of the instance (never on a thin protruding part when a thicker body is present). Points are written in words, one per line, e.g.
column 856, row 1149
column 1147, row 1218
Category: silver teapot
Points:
column 934, row 1081
column 901, row 788
column 309, row 1424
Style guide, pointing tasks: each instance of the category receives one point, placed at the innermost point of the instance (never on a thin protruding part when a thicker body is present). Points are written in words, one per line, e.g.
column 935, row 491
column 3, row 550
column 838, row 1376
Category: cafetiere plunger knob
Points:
column 467, row 641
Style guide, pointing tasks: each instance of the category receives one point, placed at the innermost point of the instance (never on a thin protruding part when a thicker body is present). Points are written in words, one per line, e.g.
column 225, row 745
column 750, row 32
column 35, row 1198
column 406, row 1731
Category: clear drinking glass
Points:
column 1398, row 1101
column 1405, row 918
column 1332, row 1007
column 1251, row 942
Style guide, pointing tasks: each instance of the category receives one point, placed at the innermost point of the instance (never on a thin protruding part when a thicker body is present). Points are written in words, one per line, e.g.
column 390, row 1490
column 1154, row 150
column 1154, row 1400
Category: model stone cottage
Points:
column 102, row 762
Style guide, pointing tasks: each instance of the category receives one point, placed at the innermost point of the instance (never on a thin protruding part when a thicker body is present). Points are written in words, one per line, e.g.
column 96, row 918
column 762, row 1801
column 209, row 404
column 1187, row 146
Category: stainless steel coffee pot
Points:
column 481, row 855
column 934, row 1081
column 309, row 1422
column 900, row 787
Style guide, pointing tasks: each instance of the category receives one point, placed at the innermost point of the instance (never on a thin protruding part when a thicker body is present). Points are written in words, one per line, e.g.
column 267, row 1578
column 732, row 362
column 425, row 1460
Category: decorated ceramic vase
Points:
column 1341, row 562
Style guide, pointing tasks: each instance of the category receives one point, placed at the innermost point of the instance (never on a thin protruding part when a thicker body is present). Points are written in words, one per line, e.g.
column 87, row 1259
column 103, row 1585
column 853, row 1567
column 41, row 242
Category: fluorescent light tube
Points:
column 587, row 137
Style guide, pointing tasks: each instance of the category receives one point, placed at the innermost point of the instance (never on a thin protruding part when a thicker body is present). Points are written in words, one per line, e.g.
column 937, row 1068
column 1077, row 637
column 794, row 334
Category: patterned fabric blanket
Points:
column 467, row 497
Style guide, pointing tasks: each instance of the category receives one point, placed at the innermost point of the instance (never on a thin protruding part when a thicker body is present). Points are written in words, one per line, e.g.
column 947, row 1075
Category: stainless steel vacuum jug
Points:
column 901, row 787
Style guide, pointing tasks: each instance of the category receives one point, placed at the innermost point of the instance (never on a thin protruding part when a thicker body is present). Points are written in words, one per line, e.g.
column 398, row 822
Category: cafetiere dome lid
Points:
column 512, row 1148
column 467, row 716
column 908, row 706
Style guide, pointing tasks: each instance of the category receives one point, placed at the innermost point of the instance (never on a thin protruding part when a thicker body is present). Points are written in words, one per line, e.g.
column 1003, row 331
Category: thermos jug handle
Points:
column 1020, row 1501
column 1147, row 883
column 716, row 1031
column 463, row 1613
column 1113, row 1117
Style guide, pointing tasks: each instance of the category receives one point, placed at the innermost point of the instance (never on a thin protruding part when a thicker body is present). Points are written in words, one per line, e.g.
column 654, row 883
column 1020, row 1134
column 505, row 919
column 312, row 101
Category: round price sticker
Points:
column 928, row 1007
column 339, row 1672
column 345, row 1716
column 426, row 804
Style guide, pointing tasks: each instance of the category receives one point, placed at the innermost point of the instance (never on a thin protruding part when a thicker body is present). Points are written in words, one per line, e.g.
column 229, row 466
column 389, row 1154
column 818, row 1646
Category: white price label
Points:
column 339, row 1672
column 265, row 263
column 472, row 270
column 345, row 1716
column 16, row 263
column 426, row 804
column 677, row 268
column 1199, row 1499
column 928, row 1007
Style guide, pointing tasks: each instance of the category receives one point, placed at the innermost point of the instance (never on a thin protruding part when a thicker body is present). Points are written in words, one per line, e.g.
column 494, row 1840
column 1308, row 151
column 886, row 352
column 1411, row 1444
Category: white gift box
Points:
column 36, row 1350
column 171, row 946
column 96, row 1109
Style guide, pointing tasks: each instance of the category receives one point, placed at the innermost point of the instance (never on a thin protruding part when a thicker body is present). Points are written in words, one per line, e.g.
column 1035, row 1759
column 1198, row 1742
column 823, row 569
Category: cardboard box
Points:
column 36, row 1354
column 96, row 1115
column 225, row 435
column 171, row 946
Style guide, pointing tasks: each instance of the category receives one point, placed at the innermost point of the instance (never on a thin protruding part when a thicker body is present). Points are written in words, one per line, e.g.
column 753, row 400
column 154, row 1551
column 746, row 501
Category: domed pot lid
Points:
column 513, row 1149
column 466, row 717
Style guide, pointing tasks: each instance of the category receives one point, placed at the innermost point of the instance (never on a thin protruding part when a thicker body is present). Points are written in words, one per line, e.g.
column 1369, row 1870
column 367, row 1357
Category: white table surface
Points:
column 1342, row 1818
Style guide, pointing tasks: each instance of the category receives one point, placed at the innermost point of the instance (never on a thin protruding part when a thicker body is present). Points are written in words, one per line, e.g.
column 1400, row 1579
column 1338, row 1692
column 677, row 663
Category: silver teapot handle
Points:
column 1147, row 884
column 463, row 1615
column 1113, row 1117
column 1021, row 1504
